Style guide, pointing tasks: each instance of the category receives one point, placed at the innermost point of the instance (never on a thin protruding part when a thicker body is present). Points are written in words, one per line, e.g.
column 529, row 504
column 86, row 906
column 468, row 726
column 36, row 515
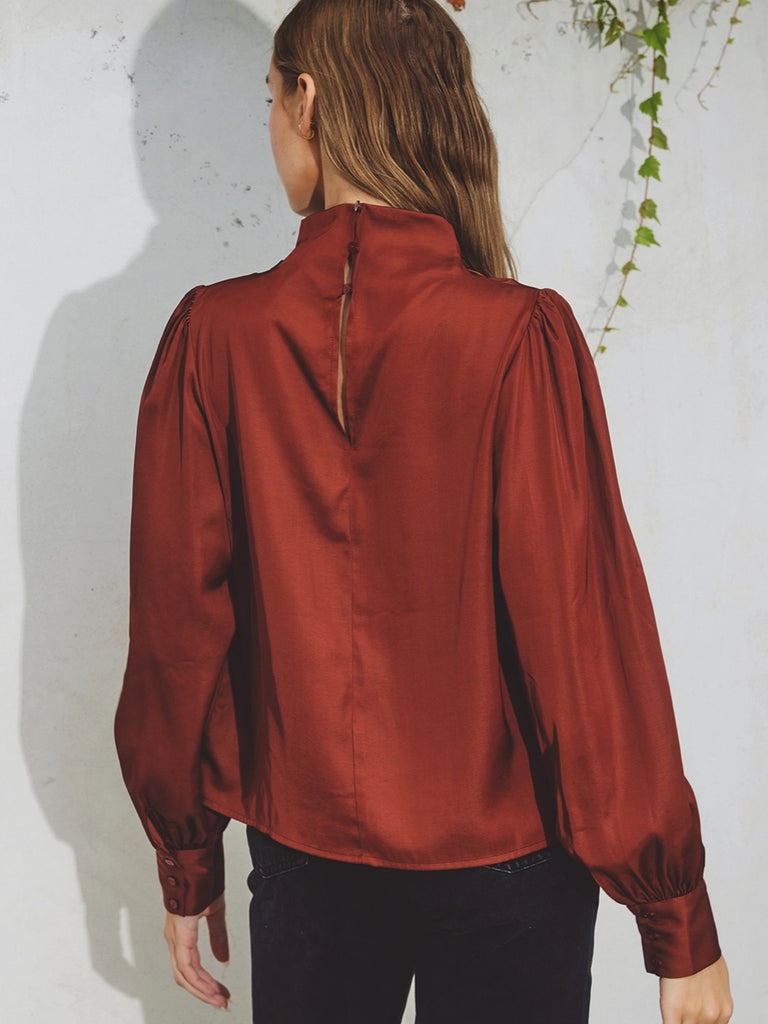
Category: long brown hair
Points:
column 398, row 114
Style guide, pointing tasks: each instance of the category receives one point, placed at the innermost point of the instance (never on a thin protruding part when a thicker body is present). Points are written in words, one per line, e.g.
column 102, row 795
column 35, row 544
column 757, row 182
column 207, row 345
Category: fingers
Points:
column 181, row 934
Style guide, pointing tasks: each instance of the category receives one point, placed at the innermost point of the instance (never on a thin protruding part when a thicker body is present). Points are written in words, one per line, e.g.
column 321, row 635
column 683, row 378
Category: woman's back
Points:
column 368, row 712
column 385, row 604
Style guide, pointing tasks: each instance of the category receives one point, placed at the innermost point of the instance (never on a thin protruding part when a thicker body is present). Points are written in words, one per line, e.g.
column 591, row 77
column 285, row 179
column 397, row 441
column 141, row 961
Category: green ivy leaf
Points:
column 621, row 302
column 658, row 138
column 651, row 106
column 649, row 168
column 660, row 67
column 645, row 236
column 614, row 31
column 648, row 210
column 628, row 267
column 657, row 36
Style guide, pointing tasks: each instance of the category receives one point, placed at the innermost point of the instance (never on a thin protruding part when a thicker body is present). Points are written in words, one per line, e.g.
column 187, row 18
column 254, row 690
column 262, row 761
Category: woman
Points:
column 385, row 605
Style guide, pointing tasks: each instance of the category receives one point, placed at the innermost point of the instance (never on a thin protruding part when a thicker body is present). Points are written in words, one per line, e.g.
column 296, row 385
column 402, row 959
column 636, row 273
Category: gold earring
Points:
column 312, row 132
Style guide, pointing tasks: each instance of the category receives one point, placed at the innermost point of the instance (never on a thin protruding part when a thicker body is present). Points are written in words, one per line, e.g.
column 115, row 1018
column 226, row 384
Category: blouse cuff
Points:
column 191, row 879
column 678, row 935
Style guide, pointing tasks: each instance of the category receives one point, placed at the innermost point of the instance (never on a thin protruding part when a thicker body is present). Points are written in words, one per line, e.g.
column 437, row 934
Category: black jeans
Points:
column 338, row 943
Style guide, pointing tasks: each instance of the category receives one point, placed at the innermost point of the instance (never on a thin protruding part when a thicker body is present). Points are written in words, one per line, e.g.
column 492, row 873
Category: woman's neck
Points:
column 337, row 190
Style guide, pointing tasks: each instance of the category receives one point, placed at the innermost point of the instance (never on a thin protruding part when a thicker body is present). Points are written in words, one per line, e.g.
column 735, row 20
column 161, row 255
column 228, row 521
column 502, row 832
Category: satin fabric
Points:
column 424, row 641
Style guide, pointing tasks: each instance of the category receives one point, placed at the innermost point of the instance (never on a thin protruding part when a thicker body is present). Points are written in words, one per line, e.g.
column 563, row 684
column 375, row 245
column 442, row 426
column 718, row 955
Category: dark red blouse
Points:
column 426, row 642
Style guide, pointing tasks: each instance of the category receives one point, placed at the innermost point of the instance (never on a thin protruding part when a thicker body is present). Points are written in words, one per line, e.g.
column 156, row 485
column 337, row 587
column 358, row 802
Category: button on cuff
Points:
column 682, row 938
column 191, row 879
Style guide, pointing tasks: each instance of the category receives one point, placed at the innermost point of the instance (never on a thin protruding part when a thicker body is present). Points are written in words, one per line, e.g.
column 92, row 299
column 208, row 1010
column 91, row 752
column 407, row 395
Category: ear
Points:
column 307, row 96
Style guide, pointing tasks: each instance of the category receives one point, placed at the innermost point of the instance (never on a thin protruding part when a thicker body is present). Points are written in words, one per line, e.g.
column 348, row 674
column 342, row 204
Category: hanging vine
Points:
column 645, row 41
column 733, row 21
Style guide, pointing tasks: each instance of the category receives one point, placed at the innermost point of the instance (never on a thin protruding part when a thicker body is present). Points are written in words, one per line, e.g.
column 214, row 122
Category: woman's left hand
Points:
column 181, row 934
column 702, row 998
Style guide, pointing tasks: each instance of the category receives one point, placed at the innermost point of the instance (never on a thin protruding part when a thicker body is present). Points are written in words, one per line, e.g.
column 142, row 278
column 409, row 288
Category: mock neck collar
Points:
column 426, row 233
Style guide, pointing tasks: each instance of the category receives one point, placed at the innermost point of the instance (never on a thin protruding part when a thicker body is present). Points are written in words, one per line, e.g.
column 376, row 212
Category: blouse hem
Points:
column 374, row 860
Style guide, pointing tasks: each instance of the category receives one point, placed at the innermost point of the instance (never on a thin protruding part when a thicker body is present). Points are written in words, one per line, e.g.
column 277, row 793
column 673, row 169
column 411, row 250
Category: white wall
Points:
column 136, row 164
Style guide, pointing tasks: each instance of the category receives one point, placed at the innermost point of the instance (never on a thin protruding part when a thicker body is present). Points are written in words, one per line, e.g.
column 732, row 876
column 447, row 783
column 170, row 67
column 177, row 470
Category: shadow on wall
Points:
column 203, row 151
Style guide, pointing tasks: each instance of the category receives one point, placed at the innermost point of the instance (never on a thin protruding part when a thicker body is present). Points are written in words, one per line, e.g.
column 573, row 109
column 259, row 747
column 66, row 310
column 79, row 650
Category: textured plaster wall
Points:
column 135, row 164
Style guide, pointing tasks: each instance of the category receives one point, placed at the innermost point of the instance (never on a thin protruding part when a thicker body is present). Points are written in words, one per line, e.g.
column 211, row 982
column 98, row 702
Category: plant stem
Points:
column 709, row 84
column 600, row 347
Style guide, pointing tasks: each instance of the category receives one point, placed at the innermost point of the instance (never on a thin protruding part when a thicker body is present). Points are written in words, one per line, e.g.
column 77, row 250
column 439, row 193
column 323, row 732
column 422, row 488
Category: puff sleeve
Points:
column 181, row 616
column 588, row 647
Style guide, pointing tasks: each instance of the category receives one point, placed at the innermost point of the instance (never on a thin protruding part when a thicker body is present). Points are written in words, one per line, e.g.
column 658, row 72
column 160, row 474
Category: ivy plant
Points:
column 642, row 29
